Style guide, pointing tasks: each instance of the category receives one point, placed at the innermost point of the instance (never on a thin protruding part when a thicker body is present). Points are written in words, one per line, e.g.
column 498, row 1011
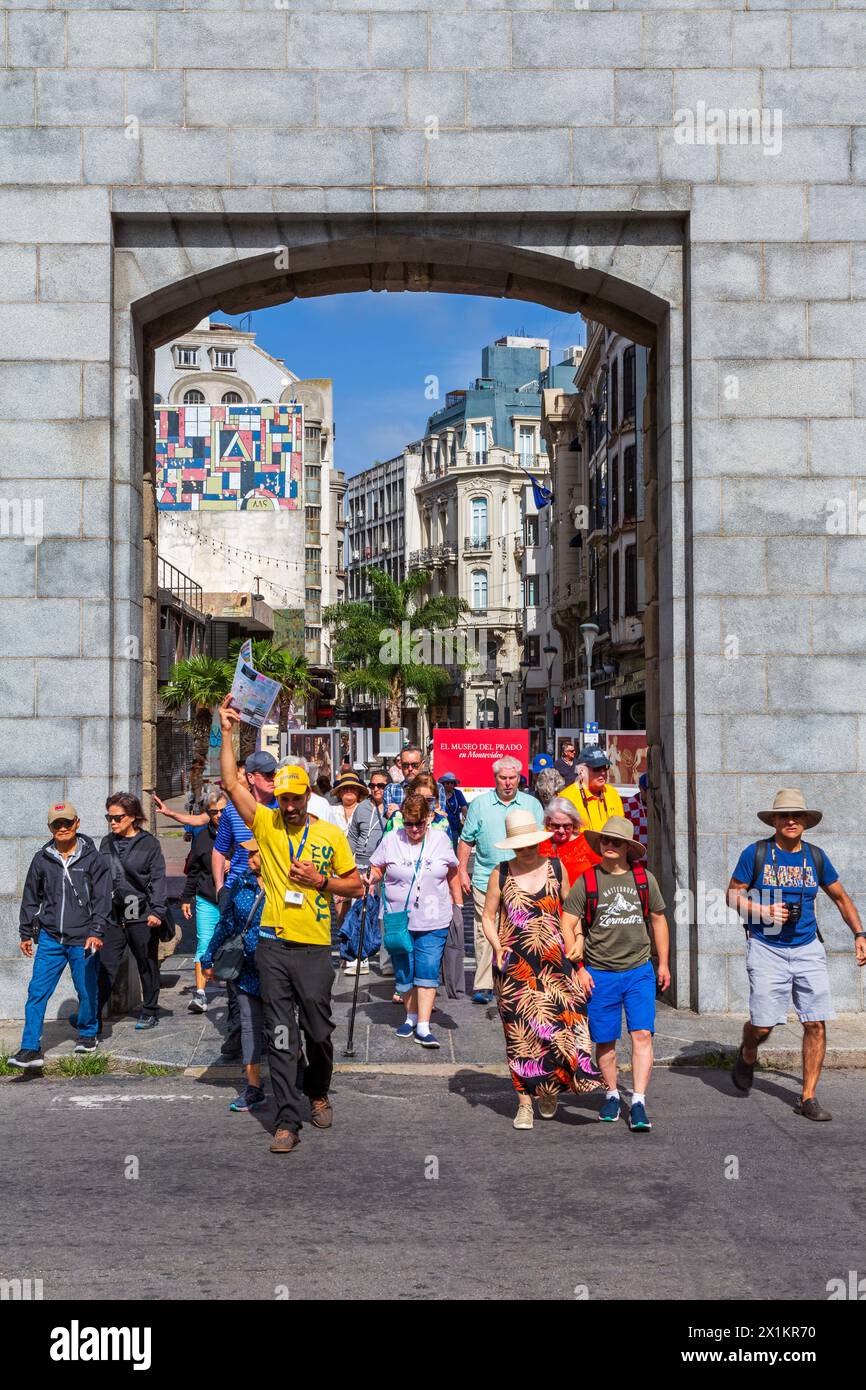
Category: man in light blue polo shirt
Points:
column 484, row 825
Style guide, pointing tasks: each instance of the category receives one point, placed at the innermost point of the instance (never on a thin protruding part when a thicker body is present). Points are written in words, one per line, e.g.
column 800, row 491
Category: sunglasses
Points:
column 215, row 811
column 378, row 786
column 558, row 825
column 121, row 817
column 62, row 824
column 607, row 840
column 413, row 824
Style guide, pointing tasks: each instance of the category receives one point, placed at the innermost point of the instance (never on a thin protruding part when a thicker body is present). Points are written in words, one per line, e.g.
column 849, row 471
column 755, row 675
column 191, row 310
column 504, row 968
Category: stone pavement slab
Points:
column 470, row 1034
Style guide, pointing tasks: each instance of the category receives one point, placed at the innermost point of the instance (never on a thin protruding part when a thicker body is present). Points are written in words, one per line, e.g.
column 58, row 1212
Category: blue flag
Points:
column 543, row 496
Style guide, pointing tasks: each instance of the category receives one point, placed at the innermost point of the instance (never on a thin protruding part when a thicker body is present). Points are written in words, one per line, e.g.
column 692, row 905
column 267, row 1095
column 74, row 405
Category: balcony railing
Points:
column 179, row 584
column 477, row 545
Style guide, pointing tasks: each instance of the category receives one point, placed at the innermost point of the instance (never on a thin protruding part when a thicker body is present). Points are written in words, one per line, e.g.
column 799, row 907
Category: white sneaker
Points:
column 351, row 967
column 198, row 1003
column 524, row 1118
column 365, row 967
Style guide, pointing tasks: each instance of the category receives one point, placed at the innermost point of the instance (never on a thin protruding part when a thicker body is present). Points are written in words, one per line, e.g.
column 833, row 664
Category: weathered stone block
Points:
column 17, row 273
column 44, row 331
column 837, row 448
column 487, row 157
column 685, row 40
column 17, row 683
column 594, row 40
column 765, row 34
column 730, row 685
column 72, row 687
column 749, row 446
column 325, row 41
column 765, row 625
column 111, row 156
column 37, row 39
column 643, row 98
column 79, row 98
column 837, row 330
column 289, row 157
column 787, row 388
column 836, row 213
column 466, row 40
column 846, row 564
column 74, row 273
column 49, row 156
column 828, row 41
column 27, row 214
column 515, row 99
column 833, row 685
column 439, row 94
column 748, row 214
column 792, row 555
column 77, row 568
column 156, row 98
column 17, row 98
column 759, row 506
column 632, row 150
column 793, row 744
column 729, row 565
column 26, row 752
column 750, row 330
column 247, row 40
column 807, row 272
column 189, row 156
column 400, row 158
column 115, row 40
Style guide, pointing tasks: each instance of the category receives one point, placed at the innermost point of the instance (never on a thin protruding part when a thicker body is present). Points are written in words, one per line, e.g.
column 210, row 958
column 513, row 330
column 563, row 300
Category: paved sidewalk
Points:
column 471, row 1034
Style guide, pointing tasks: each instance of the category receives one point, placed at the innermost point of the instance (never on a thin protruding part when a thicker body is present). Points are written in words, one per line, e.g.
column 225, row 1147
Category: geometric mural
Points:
column 227, row 458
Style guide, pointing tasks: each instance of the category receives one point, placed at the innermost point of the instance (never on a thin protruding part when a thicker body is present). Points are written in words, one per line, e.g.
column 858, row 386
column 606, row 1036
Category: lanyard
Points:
column 414, row 872
column 300, row 848
column 602, row 799
column 802, row 872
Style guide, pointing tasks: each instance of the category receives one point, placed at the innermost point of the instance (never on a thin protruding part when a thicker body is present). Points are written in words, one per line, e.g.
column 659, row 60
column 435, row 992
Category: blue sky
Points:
column 380, row 348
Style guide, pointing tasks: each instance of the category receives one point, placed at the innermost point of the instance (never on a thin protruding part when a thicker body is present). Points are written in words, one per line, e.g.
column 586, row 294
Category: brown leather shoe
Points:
column 284, row 1141
column 323, row 1115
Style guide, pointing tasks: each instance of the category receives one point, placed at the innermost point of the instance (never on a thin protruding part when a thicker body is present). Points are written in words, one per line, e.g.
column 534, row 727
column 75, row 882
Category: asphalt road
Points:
column 422, row 1190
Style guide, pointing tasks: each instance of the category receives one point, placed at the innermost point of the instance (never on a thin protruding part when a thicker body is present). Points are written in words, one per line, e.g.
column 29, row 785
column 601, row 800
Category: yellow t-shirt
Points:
column 594, row 810
column 309, row 921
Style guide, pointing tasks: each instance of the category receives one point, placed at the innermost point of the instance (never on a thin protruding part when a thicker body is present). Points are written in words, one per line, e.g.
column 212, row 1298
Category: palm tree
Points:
column 199, row 682
column 400, row 608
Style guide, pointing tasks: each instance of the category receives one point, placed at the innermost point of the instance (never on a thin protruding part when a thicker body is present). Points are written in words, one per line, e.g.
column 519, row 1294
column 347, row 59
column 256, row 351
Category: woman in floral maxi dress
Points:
column 542, row 1007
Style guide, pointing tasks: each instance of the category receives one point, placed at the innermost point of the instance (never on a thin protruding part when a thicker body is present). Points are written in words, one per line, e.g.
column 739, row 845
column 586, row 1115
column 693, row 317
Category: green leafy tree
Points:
column 392, row 666
column 200, row 682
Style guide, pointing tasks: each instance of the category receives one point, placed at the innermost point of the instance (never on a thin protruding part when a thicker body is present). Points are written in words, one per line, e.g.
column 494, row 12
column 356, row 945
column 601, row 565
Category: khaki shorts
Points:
column 778, row 974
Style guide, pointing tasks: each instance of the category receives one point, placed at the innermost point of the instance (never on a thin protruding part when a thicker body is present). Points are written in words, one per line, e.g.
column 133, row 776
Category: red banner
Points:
column 471, row 753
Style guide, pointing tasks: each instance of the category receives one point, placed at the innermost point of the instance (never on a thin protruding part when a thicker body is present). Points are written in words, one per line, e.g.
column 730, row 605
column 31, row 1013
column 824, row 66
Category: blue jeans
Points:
column 421, row 965
column 50, row 961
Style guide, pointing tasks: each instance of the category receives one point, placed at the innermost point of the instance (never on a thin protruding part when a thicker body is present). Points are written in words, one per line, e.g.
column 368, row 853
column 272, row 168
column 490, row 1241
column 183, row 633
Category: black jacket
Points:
column 199, row 873
column 69, row 901
column 142, row 858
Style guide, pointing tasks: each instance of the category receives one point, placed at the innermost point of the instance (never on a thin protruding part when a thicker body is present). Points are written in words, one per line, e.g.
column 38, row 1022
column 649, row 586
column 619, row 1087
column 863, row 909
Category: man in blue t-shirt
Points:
column 774, row 888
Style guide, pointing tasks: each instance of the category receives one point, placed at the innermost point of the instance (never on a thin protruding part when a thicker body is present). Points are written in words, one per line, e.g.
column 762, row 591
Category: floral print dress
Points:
column 542, row 1007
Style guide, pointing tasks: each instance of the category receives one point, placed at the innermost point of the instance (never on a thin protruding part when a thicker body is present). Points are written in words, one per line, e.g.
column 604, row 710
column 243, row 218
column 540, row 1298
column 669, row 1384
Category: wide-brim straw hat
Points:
column 791, row 800
column 521, row 829
column 350, row 781
column 616, row 828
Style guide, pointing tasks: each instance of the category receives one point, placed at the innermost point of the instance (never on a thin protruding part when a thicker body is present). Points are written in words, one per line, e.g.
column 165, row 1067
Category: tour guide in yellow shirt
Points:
column 304, row 862
column 594, row 799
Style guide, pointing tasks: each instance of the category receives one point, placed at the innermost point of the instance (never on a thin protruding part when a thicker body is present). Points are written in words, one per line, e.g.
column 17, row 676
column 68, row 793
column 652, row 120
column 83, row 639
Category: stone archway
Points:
column 626, row 272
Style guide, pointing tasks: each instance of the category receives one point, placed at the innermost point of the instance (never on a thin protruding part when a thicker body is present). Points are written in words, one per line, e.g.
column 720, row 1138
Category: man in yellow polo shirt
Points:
column 594, row 798
column 304, row 863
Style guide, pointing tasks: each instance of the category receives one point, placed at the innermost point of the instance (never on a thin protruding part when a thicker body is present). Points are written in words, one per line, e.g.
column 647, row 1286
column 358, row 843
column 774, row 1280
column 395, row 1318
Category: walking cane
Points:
column 349, row 1050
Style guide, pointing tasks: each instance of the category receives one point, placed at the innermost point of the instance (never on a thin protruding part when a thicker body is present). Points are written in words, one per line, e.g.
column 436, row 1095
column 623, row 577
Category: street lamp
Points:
column 589, row 632
column 548, row 709
column 508, row 677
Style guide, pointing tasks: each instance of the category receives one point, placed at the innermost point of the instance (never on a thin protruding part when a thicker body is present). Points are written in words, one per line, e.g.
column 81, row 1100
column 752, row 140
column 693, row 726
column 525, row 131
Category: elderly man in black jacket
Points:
column 66, row 905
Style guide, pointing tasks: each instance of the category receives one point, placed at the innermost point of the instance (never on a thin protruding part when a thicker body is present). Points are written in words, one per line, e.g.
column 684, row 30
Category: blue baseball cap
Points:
column 541, row 761
column 262, row 762
column 591, row 756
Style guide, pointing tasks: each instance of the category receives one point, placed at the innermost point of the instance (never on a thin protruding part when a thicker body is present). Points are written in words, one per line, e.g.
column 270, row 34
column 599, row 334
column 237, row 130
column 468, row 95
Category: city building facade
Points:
column 478, row 452
column 287, row 554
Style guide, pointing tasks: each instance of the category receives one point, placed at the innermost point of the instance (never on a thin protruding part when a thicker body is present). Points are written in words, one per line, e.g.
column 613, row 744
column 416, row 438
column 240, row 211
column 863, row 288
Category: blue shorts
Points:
column 207, row 916
column 422, row 965
column 615, row 990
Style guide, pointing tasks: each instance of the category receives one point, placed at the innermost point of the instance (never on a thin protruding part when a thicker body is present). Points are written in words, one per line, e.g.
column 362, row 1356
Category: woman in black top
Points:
column 200, row 893
column 139, row 905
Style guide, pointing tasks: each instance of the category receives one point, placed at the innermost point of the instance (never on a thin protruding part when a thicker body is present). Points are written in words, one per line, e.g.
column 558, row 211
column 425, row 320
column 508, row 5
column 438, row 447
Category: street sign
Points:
column 590, row 733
